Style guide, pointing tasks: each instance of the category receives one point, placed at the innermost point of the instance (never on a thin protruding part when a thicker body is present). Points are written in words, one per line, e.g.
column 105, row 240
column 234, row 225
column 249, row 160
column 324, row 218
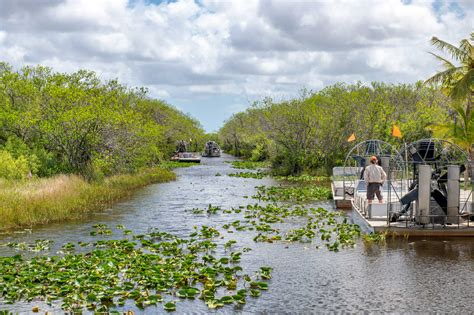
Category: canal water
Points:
column 402, row 276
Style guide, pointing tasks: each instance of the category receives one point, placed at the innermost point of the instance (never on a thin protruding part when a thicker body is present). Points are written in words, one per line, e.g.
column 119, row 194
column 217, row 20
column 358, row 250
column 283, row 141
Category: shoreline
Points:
column 38, row 201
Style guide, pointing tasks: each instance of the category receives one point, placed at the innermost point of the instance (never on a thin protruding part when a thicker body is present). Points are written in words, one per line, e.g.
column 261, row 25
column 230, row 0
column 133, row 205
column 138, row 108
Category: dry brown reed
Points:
column 64, row 197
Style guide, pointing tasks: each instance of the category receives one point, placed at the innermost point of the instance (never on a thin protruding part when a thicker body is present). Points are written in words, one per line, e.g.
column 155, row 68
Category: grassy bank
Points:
column 64, row 197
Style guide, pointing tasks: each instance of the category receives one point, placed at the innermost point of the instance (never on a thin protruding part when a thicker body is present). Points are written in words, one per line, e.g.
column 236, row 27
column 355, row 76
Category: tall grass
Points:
column 63, row 197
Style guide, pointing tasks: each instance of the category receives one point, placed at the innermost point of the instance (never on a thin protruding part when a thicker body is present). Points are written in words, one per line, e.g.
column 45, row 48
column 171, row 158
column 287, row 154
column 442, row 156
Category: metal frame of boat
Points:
column 423, row 195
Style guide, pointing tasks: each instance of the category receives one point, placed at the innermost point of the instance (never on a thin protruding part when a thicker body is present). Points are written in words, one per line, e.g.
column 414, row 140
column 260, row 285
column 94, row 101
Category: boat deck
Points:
column 405, row 228
column 374, row 217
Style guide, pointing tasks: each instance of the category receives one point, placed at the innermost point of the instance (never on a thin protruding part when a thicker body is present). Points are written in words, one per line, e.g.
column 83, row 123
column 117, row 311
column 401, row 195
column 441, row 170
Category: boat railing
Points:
column 392, row 192
column 344, row 178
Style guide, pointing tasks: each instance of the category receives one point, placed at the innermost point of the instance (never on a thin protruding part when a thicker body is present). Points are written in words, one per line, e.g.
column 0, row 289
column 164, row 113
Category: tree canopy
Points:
column 76, row 123
column 309, row 134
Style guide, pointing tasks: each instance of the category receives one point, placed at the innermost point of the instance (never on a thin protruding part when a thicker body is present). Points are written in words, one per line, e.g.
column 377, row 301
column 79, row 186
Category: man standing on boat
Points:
column 374, row 177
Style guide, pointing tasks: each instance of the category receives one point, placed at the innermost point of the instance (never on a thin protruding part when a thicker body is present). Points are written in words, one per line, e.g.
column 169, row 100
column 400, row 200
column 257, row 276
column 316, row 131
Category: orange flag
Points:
column 351, row 138
column 396, row 131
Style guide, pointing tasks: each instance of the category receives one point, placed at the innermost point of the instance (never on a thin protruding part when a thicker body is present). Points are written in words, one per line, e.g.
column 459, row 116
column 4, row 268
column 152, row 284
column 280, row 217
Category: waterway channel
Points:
column 404, row 275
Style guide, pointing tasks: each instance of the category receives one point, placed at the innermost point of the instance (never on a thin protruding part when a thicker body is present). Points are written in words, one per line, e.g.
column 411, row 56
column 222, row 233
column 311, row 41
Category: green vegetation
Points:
column 210, row 210
column 257, row 175
column 250, row 165
column 303, row 179
column 457, row 81
column 377, row 238
column 61, row 197
column 270, row 221
column 292, row 194
column 269, row 224
column 148, row 269
column 70, row 143
column 57, row 123
column 309, row 135
column 173, row 164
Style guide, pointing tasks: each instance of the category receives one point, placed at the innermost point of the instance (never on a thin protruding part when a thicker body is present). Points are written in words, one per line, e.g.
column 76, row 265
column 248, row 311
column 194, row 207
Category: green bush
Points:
column 76, row 123
column 11, row 168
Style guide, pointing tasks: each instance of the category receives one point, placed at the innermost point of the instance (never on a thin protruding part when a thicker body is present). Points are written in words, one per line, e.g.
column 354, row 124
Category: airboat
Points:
column 183, row 155
column 212, row 149
column 427, row 192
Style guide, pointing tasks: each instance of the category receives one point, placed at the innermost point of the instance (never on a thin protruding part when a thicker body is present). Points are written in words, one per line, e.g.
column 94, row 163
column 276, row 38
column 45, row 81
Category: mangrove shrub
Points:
column 77, row 123
column 309, row 134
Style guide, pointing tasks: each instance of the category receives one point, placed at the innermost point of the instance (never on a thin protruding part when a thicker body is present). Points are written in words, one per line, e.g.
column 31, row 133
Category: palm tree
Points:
column 458, row 83
column 460, row 130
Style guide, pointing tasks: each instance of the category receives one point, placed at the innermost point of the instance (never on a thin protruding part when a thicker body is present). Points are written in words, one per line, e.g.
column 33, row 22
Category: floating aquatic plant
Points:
column 37, row 246
column 250, row 165
column 376, row 237
column 256, row 175
column 267, row 220
column 148, row 269
column 292, row 194
column 210, row 210
column 303, row 178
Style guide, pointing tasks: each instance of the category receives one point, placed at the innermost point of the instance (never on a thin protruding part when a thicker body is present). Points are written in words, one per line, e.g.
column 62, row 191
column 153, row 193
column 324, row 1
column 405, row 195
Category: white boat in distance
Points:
column 211, row 149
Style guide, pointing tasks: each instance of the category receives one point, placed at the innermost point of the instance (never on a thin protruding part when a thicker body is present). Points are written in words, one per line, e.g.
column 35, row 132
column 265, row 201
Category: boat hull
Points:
column 344, row 204
column 189, row 157
column 403, row 229
column 190, row 160
column 212, row 155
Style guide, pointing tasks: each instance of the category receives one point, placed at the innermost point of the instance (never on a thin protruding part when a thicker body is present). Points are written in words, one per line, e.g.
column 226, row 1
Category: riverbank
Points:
column 67, row 197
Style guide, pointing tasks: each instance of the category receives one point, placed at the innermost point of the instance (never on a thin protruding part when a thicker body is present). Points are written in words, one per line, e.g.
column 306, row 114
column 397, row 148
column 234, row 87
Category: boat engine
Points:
column 433, row 193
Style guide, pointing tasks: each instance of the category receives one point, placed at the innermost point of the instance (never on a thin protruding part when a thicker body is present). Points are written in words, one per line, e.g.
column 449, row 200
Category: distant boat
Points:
column 182, row 154
column 212, row 149
column 187, row 157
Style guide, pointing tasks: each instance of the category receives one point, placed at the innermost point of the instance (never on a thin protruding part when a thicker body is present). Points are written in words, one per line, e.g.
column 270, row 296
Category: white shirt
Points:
column 374, row 174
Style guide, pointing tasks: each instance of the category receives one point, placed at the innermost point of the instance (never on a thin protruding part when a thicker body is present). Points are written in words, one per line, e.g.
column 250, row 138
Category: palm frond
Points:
column 461, row 112
column 466, row 46
column 447, row 64
column 455, row 52
column 442, row 77
column 463, row 86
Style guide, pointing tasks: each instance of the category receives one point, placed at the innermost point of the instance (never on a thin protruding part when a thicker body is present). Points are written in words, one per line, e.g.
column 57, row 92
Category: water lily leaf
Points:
column 227, row 299
column 170, row 306
column 212, row 304
column 255, row 293
column 224, row 260
column 259, row 285
column 181, row 293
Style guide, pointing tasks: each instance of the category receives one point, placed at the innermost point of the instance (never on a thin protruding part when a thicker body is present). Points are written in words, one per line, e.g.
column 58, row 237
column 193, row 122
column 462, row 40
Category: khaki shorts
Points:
column 374, row 189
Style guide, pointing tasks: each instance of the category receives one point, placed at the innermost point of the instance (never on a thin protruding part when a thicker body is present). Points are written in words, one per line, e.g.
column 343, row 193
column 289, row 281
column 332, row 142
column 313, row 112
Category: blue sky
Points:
column 213, row 58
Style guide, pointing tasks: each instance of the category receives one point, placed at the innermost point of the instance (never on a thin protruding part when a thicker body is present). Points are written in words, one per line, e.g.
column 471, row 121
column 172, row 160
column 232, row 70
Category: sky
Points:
column 213, row 58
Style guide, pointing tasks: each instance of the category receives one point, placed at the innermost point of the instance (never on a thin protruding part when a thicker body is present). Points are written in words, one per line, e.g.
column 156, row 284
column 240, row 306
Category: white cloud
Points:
column 250, row 49
column 157, row 92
